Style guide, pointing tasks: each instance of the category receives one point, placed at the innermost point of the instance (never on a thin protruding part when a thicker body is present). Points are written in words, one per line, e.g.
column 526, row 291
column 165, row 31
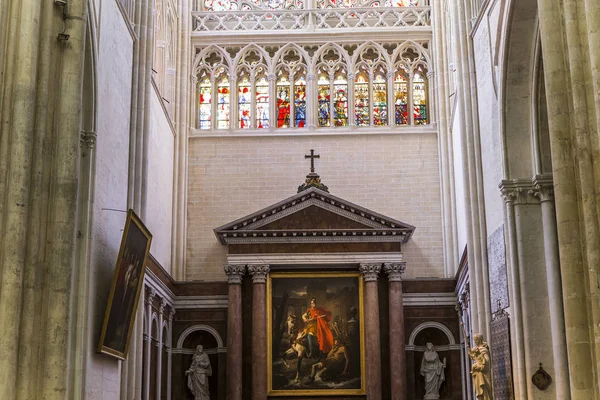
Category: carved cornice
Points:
column 88, row 139
column 259, row 273
column 394, row 271
column 234, row 273
column 370, row 271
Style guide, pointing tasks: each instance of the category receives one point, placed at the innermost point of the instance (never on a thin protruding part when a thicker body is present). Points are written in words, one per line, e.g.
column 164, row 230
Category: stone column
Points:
column 259, row 329
column 394, row 272
column 545, row 193
column 234, row 331
column 372, row 341
column 160, row 344
column 170, row 355
column 148, row 343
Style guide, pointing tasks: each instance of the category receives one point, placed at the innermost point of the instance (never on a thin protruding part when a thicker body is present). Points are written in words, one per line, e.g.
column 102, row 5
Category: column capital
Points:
column 234, row 273
column 171, row 314
column 162, row 305
column 150, row 295
column 370, row 271
column 394, row 271
column 311, row 77
column 259, row 273
column 543, row 188
column 88, row 139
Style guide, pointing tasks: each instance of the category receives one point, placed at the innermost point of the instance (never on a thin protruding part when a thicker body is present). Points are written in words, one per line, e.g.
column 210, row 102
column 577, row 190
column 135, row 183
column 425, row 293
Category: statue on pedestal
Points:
column 198, row 373
column 480, row 370
column 433, row 371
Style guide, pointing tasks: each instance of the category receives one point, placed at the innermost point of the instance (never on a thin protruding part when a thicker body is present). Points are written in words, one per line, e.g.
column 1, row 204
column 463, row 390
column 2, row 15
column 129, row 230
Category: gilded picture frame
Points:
column 127, row 283
column 315, row 326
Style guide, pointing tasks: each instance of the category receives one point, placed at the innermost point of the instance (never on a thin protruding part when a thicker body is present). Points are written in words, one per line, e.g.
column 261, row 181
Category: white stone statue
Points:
column 198, row 373
column 433, row 371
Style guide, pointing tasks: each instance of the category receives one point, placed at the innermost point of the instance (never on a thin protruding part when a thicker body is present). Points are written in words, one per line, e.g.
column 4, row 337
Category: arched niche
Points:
column 445, row 344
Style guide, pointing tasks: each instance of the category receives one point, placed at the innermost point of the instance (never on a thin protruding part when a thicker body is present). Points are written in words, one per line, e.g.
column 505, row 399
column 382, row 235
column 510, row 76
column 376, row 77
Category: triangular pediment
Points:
column 314, row 215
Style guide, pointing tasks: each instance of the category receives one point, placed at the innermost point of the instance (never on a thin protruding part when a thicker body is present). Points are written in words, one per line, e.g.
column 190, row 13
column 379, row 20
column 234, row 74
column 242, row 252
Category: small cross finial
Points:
column 312, row 157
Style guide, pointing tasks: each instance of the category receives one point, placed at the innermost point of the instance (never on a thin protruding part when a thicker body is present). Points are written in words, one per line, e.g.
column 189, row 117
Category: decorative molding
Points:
column 446, row 347
column 234, row 273
column 517, row 191
column 259, row 273
column 201, row 302
column 431, row 324
column 326, row 20
column 216, row 350
column 428, row 299
column 430, row 129
column 154, row 283
column 370, row 271
column 313, row 259
column 394, row 271
column 196, row 328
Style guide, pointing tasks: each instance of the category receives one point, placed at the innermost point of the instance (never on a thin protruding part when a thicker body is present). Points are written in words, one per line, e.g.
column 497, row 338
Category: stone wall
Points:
column 115, row 58
column 395, row 175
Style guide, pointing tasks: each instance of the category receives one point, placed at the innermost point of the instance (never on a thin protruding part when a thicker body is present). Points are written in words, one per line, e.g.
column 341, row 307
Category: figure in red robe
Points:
column 317, row 328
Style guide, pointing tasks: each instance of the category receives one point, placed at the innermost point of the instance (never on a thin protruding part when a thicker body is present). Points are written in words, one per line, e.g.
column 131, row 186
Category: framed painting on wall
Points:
column 127, row 283
column 315, row 334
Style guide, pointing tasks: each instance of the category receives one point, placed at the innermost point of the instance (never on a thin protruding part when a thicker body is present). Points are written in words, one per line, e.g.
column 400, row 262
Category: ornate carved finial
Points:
column 234, row 273
column 370, row 271
column 394, row 271
column 259, row 273
column 313, row 179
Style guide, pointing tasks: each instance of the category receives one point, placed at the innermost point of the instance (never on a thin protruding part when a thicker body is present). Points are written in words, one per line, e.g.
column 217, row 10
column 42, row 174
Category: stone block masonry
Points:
column 395, row 175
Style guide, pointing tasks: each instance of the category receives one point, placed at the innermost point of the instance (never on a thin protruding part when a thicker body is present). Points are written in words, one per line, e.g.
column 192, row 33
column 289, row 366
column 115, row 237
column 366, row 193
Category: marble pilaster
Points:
column 372, row 339
column 234, row 331
column 259, row 328
column 394, row 272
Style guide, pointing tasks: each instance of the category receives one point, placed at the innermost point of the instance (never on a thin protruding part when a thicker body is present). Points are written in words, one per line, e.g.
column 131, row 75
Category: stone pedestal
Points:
column 259, row 329
column 394, row 272
column 234, row 331
column 372, row 340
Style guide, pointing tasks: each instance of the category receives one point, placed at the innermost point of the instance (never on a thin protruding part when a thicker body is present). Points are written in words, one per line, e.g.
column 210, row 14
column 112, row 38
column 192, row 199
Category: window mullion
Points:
column 391, row 93
column 371, row 78
column 331, row 99
column 213, row 103
column 253, row 116
column 292, row 101
column 410, row 103
column 351, row 112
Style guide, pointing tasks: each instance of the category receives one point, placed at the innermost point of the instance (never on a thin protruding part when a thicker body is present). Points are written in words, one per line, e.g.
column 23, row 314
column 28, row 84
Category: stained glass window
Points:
column 300, row 102
column 223, row 101
column 232, row 5
column 380, row 114
column 283, row 102
column 401, row 99
column 204, row 103
column 361, row 100
column 262, row 103
column 419, row 99
column 324, row 100
column 340, row 89
column 245, row 102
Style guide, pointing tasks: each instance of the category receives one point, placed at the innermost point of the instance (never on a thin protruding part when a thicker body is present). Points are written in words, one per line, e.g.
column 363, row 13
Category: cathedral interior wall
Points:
column 160, row 182
column 396, row 175
column 459, row 182
column 114, row 68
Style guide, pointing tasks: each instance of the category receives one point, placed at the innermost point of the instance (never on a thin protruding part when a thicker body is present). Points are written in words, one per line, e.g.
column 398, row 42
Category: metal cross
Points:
column 312, row 157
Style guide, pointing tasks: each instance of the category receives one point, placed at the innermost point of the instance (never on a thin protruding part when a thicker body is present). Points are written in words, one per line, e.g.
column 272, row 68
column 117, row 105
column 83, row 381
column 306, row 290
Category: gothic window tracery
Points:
column 327, row 86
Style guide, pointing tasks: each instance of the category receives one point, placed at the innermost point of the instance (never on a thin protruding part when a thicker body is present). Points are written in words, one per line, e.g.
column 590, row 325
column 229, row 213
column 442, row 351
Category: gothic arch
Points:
column 330, row 46
column 519, row 66
column 200, row 327
column 431, row 324
column 384, row 54
column 252, row 46
column 226, row 60
column 289, row 46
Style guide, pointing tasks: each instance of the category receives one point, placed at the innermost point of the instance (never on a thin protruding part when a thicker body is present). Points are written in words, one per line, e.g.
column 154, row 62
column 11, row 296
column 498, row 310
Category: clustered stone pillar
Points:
column 373, row 348
column 394, row 272
column 259, row 339
column 234, row 331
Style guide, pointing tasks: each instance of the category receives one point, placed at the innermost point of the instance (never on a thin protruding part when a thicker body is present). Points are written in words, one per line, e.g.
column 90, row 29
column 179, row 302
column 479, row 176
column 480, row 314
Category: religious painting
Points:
column 315, row 334
column 127, row 283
